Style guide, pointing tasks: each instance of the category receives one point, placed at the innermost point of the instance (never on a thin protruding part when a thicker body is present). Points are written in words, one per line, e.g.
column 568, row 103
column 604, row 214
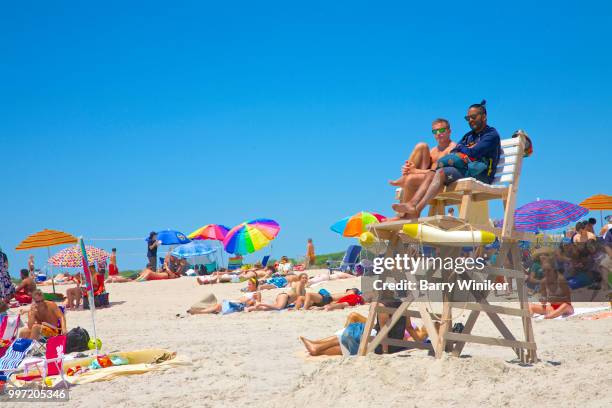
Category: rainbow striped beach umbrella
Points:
column 546, row 215
column 250, row 236
column 215, row 232
column 355, row 225
column 72, row 257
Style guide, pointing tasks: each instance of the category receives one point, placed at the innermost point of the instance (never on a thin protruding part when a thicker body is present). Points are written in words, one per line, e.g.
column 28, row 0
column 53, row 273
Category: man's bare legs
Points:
column 205, row 310
column 421, row 159
column 424, row 194
column 325, row 347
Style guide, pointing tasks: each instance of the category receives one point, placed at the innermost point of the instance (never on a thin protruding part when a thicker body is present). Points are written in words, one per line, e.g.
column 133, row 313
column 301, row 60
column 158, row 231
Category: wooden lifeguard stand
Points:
column 472, row 197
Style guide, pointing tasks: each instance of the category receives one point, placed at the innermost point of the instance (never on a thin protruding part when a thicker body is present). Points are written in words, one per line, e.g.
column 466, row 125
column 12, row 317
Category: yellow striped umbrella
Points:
column 45, row 239
column 598, row 202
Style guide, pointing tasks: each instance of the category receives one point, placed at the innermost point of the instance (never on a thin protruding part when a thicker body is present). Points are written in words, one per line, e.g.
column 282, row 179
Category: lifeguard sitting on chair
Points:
column 476, row 155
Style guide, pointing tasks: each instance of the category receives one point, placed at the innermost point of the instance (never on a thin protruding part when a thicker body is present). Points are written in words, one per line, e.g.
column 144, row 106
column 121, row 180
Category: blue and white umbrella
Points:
column 171, row 237
column 193, row 249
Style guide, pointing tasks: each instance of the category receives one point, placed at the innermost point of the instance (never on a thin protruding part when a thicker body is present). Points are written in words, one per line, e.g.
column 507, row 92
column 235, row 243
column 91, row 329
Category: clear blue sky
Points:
column 124, row 117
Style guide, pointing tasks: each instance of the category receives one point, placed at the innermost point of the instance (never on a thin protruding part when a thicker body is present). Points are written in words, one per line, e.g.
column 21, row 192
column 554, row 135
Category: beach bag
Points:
column 77, row 339
column 463, row 163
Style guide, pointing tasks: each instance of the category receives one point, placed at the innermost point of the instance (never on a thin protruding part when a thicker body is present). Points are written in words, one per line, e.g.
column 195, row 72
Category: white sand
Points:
column 256, row 359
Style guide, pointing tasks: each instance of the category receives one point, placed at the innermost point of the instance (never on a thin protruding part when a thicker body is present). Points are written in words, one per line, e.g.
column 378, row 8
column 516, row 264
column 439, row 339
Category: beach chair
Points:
column 351, row 258
column 9, row 327
column 235, row 262
column 51, row 365
column 264, row 261
column 11, row 360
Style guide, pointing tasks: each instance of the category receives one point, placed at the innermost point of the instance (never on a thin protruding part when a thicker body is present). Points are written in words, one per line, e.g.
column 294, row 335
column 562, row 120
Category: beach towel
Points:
column 140, row 362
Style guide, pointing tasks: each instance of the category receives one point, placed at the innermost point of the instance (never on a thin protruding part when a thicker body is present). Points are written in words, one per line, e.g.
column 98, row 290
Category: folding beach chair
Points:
column 234, row 263
column 11, row 360
column 51, row 365
column 351, row 258
column 8, row 331
column 264, row 261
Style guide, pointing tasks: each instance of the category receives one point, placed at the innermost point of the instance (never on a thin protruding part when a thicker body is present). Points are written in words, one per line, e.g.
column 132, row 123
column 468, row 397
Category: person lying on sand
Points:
column 59, row 279
column 346, row 341
column 278, row 282
column 148, row 274
column 226, row 307
column 283, row 299
column 43, row 319
column 555, row 297
column 318, row 299
column 352, row 297
column 23, row 292
column 327, row 276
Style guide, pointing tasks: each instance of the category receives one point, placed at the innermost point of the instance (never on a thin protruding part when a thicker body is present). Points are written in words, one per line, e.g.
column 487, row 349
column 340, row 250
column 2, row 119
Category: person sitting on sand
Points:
column 284, row 299
column 346, row 341
column 555, row 296
column 481, row 147
column 284, row 266
column 74, row 295
column 23, row 292
column 45, row 319
column 423, row 161
column 226, row 307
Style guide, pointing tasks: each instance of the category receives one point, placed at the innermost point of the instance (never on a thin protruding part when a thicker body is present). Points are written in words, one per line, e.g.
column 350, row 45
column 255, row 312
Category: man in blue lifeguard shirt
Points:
column 476, row 155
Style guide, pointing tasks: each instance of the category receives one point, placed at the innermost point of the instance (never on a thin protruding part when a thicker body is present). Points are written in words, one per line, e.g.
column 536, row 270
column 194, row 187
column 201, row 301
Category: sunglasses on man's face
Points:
column 438, row 131
column 472, row 117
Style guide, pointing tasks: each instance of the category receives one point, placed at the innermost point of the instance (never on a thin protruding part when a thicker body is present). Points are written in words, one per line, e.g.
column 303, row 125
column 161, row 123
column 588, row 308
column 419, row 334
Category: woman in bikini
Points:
column 555, row 293
column 284, row 299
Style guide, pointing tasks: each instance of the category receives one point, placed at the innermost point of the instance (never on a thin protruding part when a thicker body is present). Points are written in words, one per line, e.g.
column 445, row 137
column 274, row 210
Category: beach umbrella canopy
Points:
column 171, row 237
column 215, row 232
column 598, row 202
column 46, row 238
column 546, row 215
column 72, row 257
column 192, row 249
column 250, row 236
column 355, row 225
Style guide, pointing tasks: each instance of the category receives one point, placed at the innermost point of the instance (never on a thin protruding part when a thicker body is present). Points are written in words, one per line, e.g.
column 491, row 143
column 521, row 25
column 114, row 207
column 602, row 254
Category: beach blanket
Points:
column 140, row 361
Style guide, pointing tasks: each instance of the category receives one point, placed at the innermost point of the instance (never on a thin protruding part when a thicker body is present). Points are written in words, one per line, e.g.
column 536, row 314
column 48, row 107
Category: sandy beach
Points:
column 256, row 359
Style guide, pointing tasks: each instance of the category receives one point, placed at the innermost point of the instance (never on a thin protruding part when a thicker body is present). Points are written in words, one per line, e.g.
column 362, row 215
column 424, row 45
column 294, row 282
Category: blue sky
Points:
column 127, row 117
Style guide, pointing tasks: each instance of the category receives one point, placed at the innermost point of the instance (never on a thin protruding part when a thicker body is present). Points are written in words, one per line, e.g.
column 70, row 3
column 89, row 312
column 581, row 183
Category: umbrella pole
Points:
column 52, row 273
column 601, row 217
